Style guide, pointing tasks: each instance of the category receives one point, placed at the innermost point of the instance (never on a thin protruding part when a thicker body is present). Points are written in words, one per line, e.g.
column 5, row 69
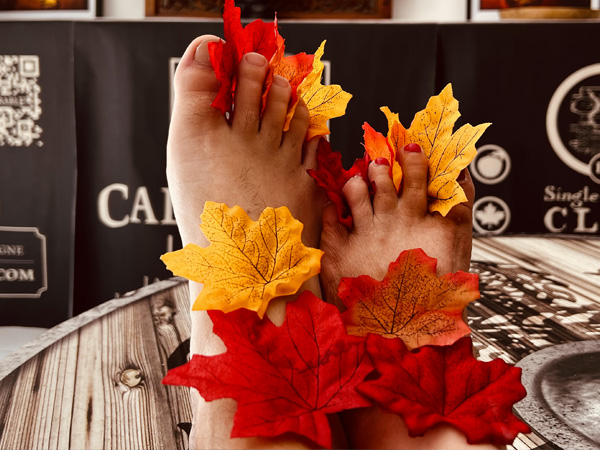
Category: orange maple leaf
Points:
column 377, row 146
column 295, row 69
column 446, row 152
column 247, row 263
column 323, row 102
column 410, row 303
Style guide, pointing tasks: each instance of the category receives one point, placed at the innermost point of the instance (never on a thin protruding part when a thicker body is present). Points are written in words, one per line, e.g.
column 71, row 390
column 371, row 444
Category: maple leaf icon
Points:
column 490, row 216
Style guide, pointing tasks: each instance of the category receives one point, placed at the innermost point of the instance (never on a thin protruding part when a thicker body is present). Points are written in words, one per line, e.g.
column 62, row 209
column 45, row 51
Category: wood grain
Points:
column 94, row 382
column 100, row 386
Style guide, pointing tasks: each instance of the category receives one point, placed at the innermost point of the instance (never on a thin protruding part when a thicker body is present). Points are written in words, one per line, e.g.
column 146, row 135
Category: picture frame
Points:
column 479, row 14
column 86, row 11
column 335, row 9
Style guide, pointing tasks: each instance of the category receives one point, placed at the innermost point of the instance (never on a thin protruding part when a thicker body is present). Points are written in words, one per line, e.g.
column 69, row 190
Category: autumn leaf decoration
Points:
column 447, row 153
column 330, row 175
column 304, row 72
column 284, row 379
column 247, row 263
column 323, row 102
column 446, row 384
column 410, row 303
column 377, row 146
column 225, row 57
column 425, row 369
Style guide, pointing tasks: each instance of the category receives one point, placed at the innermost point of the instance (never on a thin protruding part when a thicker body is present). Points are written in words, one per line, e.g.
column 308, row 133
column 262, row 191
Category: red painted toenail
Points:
column 382, row 161
column 255, row 59
column 413, row 148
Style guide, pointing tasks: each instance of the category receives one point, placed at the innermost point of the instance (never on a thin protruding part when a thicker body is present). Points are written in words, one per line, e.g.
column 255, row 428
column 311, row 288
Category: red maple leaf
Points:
column 446, row 384
column 331, row 175
column 257, row 36
column 284, row 379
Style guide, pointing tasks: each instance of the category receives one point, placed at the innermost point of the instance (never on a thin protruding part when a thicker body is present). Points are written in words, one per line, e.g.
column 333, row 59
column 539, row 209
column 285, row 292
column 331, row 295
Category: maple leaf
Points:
column 331, row 175
column 490, row 216
column 257, row 36
column 323, row 102
column 410, row 303
column 284, row 379
column 295, row 69
column 377, row 146
column 447, row 153
column 446, row 384
column 247, row 263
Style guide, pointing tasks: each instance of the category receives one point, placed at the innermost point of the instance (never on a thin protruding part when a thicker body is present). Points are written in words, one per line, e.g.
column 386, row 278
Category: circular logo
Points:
column 573, row 120
column 491, row 215
column 491, row 164
column 595, row 168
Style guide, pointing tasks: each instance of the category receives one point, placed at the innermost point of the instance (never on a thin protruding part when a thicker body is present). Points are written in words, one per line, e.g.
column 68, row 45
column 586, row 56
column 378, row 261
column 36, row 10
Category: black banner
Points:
column 37, row 173
column 538, row 167
column 123, row 85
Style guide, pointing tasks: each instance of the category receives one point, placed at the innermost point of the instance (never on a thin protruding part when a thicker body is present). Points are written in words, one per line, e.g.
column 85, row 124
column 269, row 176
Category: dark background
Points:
column 113, row 78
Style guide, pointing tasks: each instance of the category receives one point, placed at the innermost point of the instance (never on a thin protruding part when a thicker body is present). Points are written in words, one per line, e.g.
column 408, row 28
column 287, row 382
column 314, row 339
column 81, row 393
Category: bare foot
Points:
column 246, row 161
column 383, row 228
column 391, row 223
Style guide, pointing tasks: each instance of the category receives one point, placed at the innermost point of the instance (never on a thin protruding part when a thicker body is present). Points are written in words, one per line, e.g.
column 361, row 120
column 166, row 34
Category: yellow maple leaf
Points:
column 446, row 152
column 323, row 102
column 247, row 263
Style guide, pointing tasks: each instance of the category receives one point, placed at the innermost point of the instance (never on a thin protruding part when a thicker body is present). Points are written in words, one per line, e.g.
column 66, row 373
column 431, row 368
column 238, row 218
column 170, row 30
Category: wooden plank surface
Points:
column 100, row 386
column 95, row 381
column 535, row 292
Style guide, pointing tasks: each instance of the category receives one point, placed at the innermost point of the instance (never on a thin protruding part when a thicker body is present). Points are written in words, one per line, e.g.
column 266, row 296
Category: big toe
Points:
column 195, row 88
column 413, row 196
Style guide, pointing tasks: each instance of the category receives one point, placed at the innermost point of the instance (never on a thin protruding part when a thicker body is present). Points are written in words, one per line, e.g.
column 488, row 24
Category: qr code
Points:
column 20, row 103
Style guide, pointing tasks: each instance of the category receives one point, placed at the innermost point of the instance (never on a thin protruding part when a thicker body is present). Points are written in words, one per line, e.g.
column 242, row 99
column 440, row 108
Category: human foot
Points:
column 246, row 161
column 383, row 228
column 391, row 223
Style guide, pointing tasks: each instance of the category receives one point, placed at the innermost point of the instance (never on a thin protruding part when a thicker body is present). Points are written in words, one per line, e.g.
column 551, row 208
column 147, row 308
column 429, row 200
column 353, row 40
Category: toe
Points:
column 309, row 152
column 248, row 93
column 195, row 88
column 385, row 198
column 195, row 82
column 413, row 195
column 273, row 119
column 296, row 133
column 461, row 214
column 333, row 232
column 356, row 193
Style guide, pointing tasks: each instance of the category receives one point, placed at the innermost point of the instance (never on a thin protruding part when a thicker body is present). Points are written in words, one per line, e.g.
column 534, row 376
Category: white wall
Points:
column 430, row 10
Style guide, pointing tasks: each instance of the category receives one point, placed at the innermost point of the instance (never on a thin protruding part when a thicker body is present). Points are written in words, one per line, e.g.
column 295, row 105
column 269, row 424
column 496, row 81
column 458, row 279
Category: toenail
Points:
column 412, row 148
column 201, row 56
column 382, row 161
column 255, row 59
column 280, row 81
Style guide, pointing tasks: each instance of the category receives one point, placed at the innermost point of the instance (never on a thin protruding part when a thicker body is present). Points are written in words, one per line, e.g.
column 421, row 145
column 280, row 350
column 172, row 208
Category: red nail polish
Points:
column 413, row 148
column 382, row 161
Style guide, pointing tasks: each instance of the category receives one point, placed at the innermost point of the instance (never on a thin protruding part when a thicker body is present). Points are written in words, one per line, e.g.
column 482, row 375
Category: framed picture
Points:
column 47, row 9
column 489, row 10
column 286, row 9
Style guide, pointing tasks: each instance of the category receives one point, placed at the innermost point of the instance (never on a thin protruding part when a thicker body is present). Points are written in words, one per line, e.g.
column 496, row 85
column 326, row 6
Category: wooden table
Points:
column 95, row 381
